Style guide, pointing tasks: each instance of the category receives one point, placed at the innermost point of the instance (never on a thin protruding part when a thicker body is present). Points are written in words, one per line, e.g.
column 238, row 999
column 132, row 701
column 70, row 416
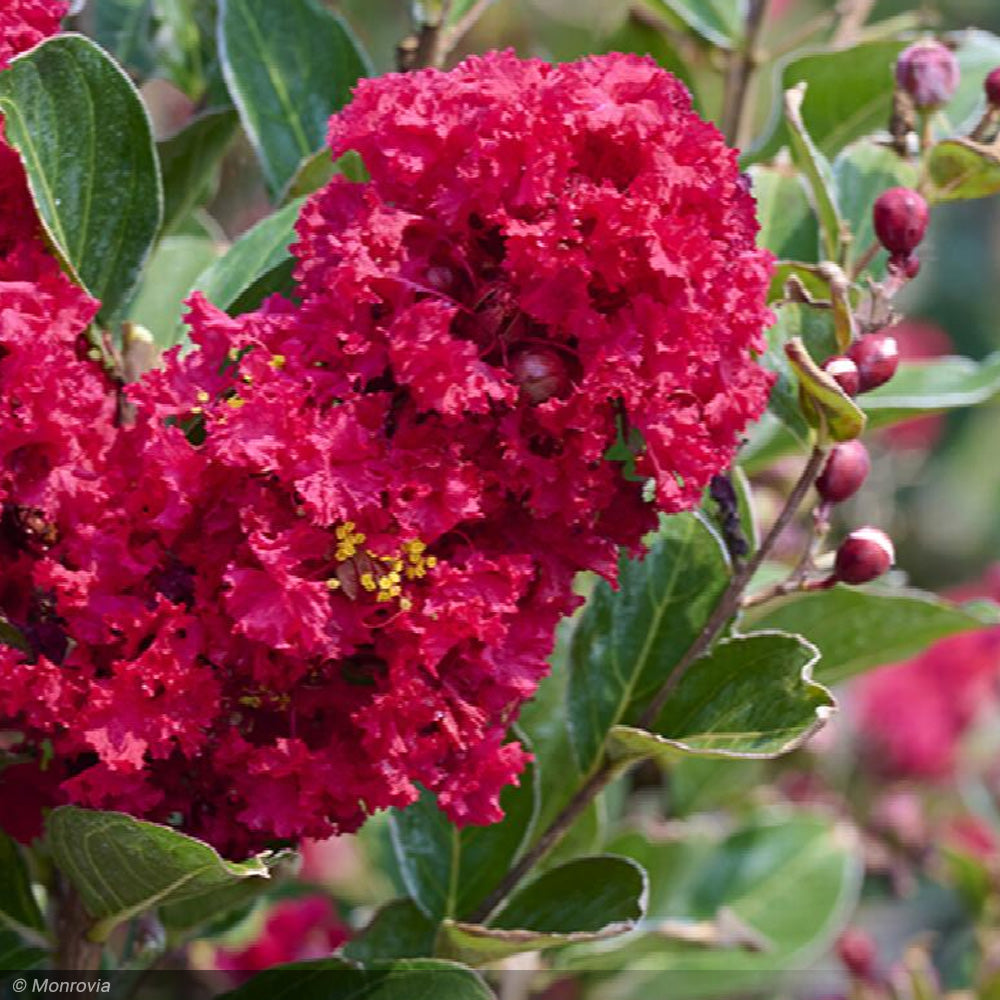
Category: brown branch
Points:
column 742, row 63
column 75, row 952
column 853, row 16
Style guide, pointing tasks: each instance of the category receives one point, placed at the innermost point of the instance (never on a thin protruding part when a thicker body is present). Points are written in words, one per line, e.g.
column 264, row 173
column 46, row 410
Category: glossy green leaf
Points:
column 849, row 96
column 627, row 641
column 449, row 871
column 772, row 897
column 788, row 226
column 176, row 263
column 825, row 405
column 400, row 929
column 717, row 21
column 335, row 979
column 122, row 867
column 241, row 279
column 319, row 169
column 289, row 66
column 752, row 696
column 597, row 895
column 815, row 328
column 189, row 161
column 862, row 172
column 10, row 635
column 960, row 169
column 817, row 171
column 83, row 134
column 920, row 387
column 856, row 629
column 588, row 899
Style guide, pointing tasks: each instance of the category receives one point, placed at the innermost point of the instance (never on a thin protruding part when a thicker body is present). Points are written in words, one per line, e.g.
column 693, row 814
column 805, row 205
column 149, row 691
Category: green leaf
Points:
column 289, row 66
column 319, row 169
column 16, row 956
column 960, row 169
column 19, row 912
column 719, row 22
column 584, row 900
column 399, row 929
column 10, row 635
column 788, row 226
column 449, row 871
column 787, row 881
column 862, row 172
column 174, row 266
column 254, row 266
column 82, row 131
column 752, row 696
column 849, row 96
column 856, row 629
column 920, row 387
column 817, row 171
column 122, row 866
column 335, row 979
column 189, row 162
column 815, row 328
column 627, row 641
column 125, row 28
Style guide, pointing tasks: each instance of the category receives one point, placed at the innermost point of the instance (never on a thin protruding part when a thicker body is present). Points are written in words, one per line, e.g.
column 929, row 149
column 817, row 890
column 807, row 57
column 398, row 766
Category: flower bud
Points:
column 863, row 556
column 900, row 216
column 846, row 468
column 844, row 372
column 905, row 265
column 542, row 373
column 992, row 87
column 928, row 71
column 856, row 951
column 877, row 358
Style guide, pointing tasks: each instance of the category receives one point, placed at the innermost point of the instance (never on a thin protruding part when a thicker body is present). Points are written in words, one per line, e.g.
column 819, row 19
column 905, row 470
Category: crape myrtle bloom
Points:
column 546, row 260
column 339, row 535
column 25, row 23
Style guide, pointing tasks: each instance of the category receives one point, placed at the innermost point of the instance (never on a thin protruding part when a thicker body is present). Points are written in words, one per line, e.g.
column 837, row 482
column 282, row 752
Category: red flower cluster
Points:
column 326, row 560
column 296, row 930
column 25, row 23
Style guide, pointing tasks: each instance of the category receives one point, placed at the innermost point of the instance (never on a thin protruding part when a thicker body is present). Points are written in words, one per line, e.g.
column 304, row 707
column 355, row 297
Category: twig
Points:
column 742, row 64
column 863, row 262
column 74, row 951
column 853, row 15
column 558, row 828
column 729, row 603
column 450, row 38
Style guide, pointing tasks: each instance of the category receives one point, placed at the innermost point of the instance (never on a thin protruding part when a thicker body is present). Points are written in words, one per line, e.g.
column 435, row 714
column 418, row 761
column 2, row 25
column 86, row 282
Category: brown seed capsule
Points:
column 864, row 556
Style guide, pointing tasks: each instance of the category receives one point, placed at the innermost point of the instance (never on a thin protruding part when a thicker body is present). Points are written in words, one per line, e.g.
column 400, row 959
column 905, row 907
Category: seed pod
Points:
column 844, row 372
column 542, row 373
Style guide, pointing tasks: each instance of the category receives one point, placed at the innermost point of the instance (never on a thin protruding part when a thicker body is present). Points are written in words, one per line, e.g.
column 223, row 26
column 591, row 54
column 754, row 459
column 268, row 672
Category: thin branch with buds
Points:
column 729, row 604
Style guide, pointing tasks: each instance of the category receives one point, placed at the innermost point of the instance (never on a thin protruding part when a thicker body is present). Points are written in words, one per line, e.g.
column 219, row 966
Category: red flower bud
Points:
column 844, row 372
column 905, row 265
column 877, row 358
column 846, row 468
column 900, row 217
column 992, row 87
column 856, row 950
column 864, row 556
column 929, row 73
column 542, row 373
